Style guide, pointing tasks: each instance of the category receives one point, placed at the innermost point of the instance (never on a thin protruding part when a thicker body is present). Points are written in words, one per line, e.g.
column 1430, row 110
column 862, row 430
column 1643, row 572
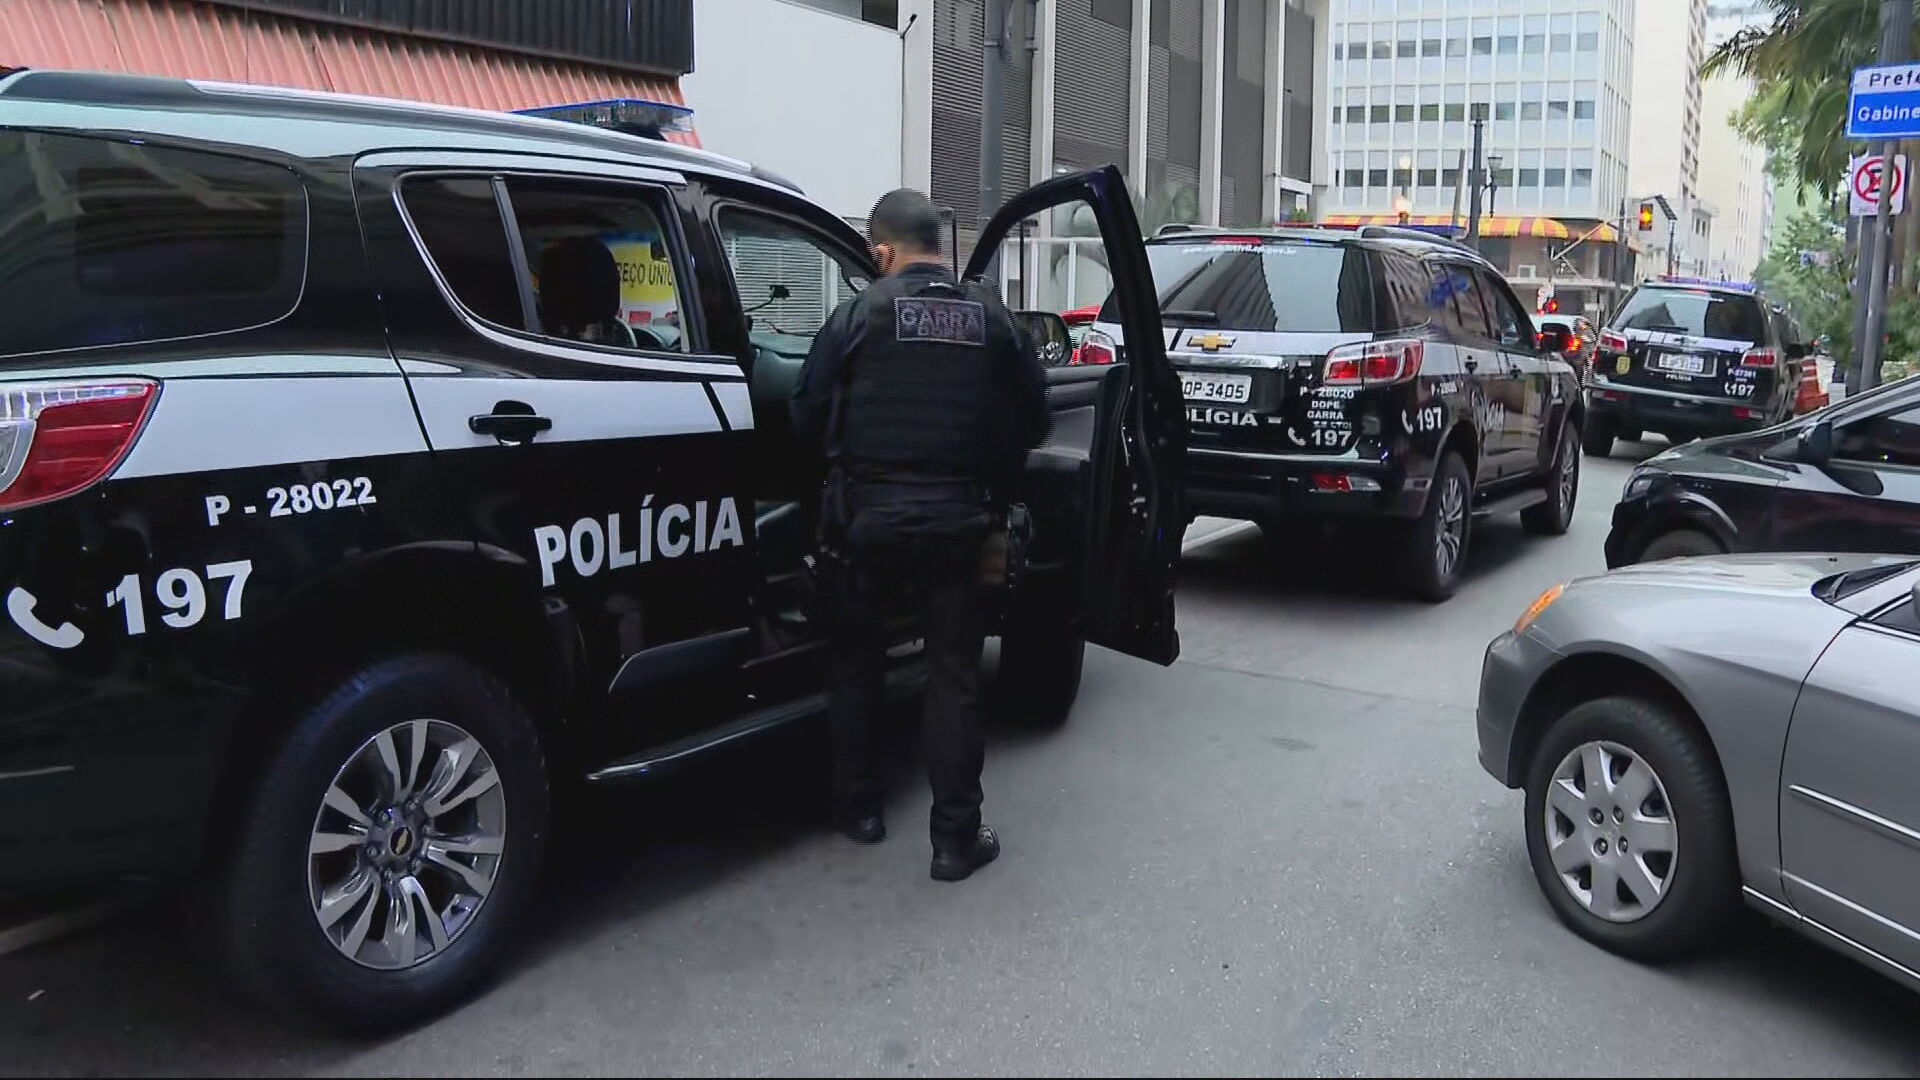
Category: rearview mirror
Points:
column 1553, row 339
column 1048, row 331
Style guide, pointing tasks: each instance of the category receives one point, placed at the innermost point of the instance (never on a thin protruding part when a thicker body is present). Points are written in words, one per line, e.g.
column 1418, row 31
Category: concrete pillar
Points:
column 1212, row 72
column 916, row 95
column 1137, row 96
column 1273, row 142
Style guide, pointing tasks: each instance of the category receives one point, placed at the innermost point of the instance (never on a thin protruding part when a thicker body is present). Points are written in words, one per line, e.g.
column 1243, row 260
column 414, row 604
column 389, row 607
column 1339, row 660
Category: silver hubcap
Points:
column 1453, row 527
column 406, row 844
column 1610, row 831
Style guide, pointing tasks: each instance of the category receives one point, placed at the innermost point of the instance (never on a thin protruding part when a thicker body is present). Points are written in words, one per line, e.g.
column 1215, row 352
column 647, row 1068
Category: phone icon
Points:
column 20, row 605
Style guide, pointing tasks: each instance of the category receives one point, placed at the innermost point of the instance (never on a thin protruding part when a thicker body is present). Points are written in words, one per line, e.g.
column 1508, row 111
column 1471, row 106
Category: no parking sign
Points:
column 1864, row 182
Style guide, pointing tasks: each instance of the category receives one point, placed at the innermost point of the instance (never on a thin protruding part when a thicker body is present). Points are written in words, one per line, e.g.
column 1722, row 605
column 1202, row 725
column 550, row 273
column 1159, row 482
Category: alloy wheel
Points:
column 406, row 844
column 1451, row 536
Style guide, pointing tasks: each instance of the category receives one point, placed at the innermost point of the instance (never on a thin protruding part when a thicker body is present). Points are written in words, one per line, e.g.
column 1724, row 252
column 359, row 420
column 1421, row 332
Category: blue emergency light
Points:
column 635, row 116
column 1735, row 286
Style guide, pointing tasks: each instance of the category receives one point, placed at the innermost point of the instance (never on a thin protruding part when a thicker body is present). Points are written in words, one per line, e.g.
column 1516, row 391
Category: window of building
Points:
column 1587, row 41
column 1408, row 47
column 1508, row 44
column 1402, row 177
column 1337, row 113
column 1377, row 178
column 1429, row 177
column 1533, row 44
column 1456, row 46
column 1430, row 110
column 1380, row 114
column 1403, row 113
column 1560, row 44
column 1356, row 114
column 1558, row 110
column 1504, row 110
column 1529, row 177
column 1483, row 45
column 1339, row 50
column 1583, row 110
column 1531, row 110
column 1430, row 46
column 1383, row 49
column 1353, row 177
column 109, row 242
column 1582, row 178
column 1449, row 176
column 1456, row 110
column 1556, row 178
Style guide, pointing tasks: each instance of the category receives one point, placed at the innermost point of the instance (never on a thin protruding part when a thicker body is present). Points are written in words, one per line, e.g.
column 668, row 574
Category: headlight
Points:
column 1540, row 604
column 1640, row 483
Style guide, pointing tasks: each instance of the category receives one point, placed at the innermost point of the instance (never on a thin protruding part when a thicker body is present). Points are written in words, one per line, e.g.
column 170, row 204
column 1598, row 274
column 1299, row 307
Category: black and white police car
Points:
column 1379, row 378
column 367, row 470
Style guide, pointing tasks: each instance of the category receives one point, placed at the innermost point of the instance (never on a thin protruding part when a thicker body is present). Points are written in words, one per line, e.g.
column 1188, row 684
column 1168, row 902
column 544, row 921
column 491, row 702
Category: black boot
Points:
column 863, row 828
column 958, row 864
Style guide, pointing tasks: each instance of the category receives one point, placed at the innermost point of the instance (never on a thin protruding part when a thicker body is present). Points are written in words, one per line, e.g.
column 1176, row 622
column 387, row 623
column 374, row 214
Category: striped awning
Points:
column 194, row 40
column 1543, row 227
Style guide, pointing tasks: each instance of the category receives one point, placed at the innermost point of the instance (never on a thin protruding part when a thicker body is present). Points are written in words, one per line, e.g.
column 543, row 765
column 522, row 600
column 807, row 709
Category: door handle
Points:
column 510, row 422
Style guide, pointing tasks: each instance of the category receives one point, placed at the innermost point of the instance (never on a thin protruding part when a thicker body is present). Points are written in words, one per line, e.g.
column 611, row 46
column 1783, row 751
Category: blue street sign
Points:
column 1885, row 103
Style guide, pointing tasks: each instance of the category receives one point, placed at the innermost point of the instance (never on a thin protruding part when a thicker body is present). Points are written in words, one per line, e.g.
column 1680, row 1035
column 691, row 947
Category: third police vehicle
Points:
column 370, row 470
column 1382, row 377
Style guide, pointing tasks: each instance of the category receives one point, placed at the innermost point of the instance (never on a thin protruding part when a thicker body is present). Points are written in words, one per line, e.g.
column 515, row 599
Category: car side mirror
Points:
column 1798, row 351
column 1816, row 444
column 1052, row 341
column 1552, row 339
column 781, row 292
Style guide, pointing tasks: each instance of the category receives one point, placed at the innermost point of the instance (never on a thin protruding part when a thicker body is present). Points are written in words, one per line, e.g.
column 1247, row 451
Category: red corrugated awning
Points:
column 205, row 41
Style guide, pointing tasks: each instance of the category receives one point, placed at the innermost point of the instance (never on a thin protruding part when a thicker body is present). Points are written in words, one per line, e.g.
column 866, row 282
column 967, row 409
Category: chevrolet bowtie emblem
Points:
column 1210, row 342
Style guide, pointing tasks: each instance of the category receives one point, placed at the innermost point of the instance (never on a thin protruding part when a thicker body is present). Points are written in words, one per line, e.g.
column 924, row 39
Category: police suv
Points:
column 1384, row 377
column 368, row 470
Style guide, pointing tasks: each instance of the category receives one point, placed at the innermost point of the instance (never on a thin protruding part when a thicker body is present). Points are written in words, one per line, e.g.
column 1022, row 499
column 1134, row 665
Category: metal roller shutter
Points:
column 959, row 31
column 1092, row 81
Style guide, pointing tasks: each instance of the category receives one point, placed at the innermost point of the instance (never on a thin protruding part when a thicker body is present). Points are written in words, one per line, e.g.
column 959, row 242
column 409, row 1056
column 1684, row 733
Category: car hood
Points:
column 1730, row 457
column 1773, row 573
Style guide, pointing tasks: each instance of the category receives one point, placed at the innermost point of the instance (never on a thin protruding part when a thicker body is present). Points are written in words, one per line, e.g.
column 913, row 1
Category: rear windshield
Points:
column 1256, row 286
column 1698, row 312
column 105, row 242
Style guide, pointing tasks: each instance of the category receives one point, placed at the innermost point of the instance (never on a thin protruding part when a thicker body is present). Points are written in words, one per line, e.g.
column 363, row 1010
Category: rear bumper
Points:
column 1262, row 486
column 1670, row 411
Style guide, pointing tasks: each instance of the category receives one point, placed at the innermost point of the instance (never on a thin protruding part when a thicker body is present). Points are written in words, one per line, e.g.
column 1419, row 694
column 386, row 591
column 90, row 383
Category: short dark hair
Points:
column 905, row 219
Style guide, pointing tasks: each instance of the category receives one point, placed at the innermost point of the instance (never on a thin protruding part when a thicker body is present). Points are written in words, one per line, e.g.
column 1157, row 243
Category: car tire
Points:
column 1555, row 516
column 1432, row 572
column 1696, row 896
column 1680, row 544
column 1597, row 438
column 1039, row 676
column 269, row 898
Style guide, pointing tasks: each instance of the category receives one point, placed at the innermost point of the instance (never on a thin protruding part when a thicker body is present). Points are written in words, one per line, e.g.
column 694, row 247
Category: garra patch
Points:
column 925, row 318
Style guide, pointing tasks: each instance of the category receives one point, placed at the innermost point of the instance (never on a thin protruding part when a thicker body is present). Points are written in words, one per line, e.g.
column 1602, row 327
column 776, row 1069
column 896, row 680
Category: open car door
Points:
column 1136, row 496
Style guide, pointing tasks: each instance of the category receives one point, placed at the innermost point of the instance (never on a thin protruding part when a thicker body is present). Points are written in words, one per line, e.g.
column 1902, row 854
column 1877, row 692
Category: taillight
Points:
column 1098, row 348
column 1613, row 342
column 60, row 438
column 1373, row 363
column 1575, row 343
column 1761, row 358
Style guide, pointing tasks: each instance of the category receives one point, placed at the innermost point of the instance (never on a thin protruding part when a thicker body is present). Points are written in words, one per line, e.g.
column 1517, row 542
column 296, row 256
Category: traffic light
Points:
column 1646, row 216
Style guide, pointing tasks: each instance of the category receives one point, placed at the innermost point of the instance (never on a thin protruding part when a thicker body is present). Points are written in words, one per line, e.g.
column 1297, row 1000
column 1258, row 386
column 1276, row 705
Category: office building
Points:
column 1549, row 78
column 1670, row 42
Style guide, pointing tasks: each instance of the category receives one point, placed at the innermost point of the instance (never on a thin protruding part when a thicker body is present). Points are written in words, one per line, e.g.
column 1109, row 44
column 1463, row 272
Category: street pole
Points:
column 1896, row 26
column 993, row 91
column 1673, row 226
column 1475, row 181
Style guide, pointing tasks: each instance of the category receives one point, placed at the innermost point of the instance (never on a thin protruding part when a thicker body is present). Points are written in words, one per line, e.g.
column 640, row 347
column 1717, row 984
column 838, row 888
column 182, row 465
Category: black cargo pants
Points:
column 915, row 549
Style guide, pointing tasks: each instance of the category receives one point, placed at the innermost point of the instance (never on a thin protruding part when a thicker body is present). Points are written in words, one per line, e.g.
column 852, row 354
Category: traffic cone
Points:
column 1810, row 395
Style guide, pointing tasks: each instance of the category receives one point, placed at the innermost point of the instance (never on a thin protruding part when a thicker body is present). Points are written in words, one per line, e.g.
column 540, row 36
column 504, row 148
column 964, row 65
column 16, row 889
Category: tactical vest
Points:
column 922, row 388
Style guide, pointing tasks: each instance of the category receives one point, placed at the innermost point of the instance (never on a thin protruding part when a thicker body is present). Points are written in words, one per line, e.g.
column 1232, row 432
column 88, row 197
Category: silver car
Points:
column 1697, row 732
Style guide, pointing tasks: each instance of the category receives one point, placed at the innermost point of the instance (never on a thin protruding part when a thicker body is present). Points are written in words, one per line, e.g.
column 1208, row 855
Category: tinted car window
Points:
column 458, row 220
column 1892, row 439
column 604, row 268
column 104, row 242
column 1457, row 299
column 1403, row 293
column 1698, row 312
column 1511, row 327
column 1240, row 284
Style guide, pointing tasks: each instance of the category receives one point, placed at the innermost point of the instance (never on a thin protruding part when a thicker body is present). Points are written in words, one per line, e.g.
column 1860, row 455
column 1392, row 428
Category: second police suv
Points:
column 1383, row 378
column 368, row 471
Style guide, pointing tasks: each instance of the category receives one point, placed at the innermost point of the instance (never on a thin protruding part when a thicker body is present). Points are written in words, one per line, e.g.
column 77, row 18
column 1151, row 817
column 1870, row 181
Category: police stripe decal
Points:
column 581, row 410
column 736, row 402
column 207, row 425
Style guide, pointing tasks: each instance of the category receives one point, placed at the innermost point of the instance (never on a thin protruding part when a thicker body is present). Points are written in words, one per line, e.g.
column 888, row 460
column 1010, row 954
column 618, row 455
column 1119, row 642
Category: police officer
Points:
column 925, row 395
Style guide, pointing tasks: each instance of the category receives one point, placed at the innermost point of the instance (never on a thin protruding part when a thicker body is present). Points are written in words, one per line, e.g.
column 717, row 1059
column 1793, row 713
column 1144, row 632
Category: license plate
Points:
column 1683, row 363
column 1207, row 386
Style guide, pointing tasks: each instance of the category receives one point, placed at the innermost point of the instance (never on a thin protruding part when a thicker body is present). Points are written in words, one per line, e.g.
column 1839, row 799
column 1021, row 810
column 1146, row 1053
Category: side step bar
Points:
column 901, row 682
column 1511, row 503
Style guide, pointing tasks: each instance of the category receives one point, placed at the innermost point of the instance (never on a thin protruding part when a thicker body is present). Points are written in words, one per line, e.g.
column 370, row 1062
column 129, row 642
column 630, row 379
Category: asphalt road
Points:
column 1278, row 856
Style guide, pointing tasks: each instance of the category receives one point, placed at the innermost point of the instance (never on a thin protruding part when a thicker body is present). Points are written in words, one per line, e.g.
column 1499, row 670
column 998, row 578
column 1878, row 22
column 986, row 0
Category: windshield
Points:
column 1243, row 283
column 1695, row 312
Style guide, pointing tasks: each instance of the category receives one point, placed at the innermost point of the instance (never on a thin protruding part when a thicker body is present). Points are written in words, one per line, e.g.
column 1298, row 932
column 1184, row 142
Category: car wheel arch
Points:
column 1686, row 511
column 1465, row 441
column 450, row 597
column 1585, row 676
